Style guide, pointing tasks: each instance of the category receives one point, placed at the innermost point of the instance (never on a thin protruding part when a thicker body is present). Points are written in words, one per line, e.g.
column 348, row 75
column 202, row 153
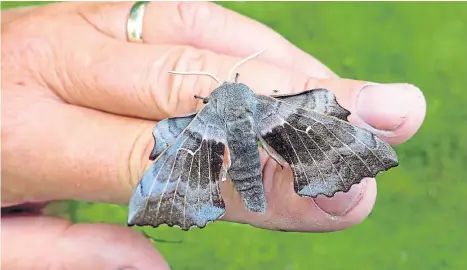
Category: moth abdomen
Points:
column 245, row 170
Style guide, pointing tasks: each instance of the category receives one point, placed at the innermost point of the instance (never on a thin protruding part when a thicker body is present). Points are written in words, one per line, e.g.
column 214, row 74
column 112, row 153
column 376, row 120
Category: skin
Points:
column 79, row 104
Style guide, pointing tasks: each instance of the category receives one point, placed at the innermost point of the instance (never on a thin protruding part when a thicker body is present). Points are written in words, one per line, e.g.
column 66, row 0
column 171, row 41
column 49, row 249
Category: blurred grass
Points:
column 420, row 217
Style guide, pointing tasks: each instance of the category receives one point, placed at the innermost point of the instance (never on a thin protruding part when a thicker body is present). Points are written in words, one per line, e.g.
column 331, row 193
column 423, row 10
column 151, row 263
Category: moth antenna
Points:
column 243, row 61
column 202, row 73
column 205, row 100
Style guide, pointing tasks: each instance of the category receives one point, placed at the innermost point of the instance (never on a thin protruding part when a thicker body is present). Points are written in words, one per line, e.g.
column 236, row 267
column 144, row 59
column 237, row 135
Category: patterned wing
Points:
column 318, row 100
column 166, row 131
column 181, row 188
column 326, row 153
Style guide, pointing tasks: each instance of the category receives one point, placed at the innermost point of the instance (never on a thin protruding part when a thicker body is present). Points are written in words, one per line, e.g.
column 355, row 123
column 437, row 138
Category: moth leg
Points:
column 205, row 100
column 272, row 153
column 224, row 170
column 226, row 164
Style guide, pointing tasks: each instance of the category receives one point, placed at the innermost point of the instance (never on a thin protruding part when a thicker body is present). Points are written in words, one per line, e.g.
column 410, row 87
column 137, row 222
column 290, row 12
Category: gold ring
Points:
column 134, row 26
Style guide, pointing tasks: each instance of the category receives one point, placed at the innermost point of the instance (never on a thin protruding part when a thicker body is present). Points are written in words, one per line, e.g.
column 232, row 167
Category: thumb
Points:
column 42, row 242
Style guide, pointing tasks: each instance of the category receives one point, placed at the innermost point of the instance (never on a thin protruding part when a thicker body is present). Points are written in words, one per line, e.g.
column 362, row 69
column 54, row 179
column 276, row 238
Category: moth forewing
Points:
column 326, row 153
column 166, row 131
column 181, row 188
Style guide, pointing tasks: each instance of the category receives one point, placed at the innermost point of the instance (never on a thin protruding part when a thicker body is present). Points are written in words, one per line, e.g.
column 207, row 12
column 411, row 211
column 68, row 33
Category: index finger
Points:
column 205, row 25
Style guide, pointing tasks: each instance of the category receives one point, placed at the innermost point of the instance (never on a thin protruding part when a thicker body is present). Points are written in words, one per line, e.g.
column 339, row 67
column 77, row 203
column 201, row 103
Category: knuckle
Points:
column 183, row 87
column 135, row 157
column 307, row 83
column 296, row 83
column 152, row 92
column 100, row 15
column 24, row 47
column 194, row 17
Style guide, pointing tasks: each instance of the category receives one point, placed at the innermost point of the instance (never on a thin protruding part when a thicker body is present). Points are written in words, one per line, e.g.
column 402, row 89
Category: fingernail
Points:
column 385, row 106
column 341, row 203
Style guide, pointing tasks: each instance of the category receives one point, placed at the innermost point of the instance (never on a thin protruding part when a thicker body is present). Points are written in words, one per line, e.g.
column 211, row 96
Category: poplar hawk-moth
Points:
column 309, row 131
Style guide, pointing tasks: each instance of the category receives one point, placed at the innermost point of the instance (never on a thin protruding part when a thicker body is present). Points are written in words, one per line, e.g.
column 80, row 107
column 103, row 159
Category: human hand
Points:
column 80, row 103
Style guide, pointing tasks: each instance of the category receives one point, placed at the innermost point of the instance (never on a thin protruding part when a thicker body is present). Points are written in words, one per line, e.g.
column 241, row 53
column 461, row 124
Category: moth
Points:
column 307, row 131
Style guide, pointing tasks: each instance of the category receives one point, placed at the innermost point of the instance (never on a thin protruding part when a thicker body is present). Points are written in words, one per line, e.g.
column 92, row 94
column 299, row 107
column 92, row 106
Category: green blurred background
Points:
column 420, row 217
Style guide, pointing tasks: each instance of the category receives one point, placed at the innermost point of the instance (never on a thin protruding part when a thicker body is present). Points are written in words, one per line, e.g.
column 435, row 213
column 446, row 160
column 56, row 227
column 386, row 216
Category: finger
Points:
column 107, row 167
column 77, row 153
column 208, row 26
column 144, row 89
column 287, row 211
column 89, row 155
column 39, row 242
column 393, row 111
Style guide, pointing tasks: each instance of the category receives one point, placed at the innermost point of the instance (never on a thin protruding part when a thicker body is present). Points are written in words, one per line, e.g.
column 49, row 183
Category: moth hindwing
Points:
column 309, row 131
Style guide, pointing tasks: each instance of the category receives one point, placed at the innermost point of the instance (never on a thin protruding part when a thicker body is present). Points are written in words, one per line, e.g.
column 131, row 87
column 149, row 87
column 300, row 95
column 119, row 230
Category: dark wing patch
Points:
column 326, row 154
column 181, row 188
column 319, row 100
column 165, row 132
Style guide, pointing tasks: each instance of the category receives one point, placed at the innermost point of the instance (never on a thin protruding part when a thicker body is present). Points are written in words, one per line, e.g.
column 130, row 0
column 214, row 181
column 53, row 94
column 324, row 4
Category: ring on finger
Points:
column 134, row 26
